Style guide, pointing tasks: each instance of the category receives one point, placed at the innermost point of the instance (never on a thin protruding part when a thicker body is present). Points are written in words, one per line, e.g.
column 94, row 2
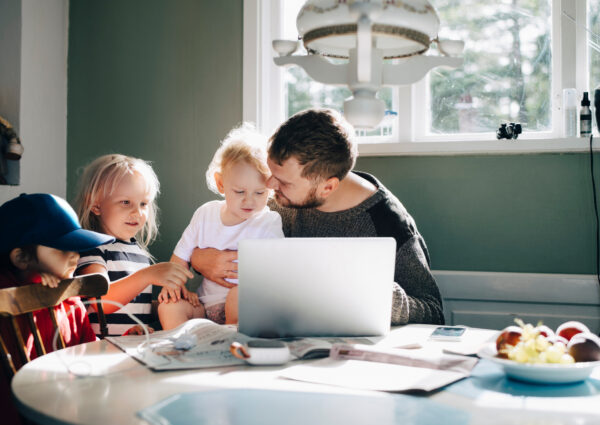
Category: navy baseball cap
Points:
column 44, row 219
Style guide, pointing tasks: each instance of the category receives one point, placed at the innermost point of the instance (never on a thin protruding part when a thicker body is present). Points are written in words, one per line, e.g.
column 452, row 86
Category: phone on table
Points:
column 448, row 333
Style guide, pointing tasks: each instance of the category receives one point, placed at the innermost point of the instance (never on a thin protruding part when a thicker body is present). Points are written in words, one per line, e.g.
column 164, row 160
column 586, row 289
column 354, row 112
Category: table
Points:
column 117, row 387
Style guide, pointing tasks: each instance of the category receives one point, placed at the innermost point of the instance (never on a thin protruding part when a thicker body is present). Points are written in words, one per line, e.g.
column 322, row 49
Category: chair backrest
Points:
column 24, row 300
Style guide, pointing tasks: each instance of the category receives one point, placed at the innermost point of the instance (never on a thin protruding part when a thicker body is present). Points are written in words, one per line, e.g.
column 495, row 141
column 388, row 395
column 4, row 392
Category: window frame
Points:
column 265, row 106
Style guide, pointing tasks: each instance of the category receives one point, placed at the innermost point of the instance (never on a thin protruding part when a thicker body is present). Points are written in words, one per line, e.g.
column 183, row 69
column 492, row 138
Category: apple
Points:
column 510, row 335
column 568, row 329
column 544, row 330
column 584, row 347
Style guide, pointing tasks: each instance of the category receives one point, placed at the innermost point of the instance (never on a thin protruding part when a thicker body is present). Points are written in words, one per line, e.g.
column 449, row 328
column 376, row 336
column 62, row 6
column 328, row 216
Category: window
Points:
column 519, row 55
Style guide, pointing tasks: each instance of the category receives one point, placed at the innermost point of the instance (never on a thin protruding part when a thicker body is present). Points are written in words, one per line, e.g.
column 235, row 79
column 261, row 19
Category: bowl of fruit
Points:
column 540, row 355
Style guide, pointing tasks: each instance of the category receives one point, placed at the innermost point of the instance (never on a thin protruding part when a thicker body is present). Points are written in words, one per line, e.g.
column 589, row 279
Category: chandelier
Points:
column 384, row 42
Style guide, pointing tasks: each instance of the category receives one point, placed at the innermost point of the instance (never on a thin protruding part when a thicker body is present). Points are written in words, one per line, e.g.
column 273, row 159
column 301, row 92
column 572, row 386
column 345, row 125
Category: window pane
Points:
column 594, row 45
column 506, row 76
column 302, row 92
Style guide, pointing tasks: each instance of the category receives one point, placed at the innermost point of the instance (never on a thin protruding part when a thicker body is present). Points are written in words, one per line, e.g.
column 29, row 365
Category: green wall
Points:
column 158, row 82
column 164, row 83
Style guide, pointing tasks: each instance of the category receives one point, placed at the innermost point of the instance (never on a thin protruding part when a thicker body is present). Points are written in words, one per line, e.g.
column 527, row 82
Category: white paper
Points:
column 366, row 375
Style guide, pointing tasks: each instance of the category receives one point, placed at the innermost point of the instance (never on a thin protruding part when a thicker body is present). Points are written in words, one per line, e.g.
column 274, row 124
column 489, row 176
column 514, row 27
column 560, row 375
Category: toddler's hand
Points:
column 168, row 275
column 49, row 280
column 192, row 297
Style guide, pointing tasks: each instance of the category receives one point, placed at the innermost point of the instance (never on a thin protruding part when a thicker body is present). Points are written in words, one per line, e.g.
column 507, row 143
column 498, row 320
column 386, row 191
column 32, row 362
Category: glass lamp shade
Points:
column 400, row 28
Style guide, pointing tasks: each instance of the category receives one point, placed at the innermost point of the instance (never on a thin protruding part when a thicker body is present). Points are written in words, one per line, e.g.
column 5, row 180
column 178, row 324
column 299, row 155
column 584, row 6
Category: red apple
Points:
column 584, row 347
column 568, row 329
column 510, row 335
column 544, row 330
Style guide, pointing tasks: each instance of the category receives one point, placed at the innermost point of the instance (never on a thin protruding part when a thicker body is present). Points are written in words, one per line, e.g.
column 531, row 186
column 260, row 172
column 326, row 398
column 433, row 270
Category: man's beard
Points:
column 311, row 200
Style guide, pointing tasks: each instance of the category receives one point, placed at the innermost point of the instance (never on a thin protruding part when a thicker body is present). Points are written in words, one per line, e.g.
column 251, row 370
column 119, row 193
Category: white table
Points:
column 118, row 386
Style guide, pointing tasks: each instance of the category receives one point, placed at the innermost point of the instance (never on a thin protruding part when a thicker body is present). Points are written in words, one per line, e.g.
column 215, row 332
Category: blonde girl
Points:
column 239, row 173
column 117, row 196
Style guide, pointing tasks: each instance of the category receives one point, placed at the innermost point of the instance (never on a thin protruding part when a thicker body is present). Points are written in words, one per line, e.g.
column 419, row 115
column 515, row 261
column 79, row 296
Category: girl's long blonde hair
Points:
column 243, row 143
column 101, row 177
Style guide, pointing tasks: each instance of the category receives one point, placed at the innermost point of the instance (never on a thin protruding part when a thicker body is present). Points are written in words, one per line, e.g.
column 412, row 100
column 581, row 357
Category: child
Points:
column 117, row 196
column 238, row 172
column 39, row 243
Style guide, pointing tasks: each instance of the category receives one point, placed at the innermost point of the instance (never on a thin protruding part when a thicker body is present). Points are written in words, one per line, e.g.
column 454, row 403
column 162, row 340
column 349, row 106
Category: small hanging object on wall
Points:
column 11, row 150
column 510, row 131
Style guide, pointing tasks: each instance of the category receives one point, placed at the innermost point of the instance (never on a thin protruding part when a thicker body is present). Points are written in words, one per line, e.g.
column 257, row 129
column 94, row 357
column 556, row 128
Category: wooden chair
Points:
column 24, row 300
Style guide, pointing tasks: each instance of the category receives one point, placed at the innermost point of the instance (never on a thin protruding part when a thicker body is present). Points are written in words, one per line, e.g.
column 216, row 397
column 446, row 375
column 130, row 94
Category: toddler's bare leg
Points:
column 172, row 314
column 231, row 306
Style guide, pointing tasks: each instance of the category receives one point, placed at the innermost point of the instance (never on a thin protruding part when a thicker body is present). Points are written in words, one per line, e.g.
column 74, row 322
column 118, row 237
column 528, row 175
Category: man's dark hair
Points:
column 320, row 139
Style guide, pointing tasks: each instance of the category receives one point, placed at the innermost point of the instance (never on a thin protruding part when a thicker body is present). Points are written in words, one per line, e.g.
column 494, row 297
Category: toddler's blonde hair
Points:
column 101, row 177
column 242, row 144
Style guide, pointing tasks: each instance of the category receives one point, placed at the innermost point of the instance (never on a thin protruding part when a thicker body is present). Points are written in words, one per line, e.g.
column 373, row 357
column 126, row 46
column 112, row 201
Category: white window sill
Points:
column 478, row 147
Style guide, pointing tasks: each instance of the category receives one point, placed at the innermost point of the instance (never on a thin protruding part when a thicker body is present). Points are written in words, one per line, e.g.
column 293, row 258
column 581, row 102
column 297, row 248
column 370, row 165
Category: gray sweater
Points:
column 416, row 295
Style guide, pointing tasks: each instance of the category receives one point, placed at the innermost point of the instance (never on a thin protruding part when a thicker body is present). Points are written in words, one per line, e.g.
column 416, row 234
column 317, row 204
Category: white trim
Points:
column 479, row 147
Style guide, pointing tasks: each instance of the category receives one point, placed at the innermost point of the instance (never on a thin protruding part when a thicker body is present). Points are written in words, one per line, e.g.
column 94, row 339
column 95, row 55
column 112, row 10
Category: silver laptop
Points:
column 301, row 287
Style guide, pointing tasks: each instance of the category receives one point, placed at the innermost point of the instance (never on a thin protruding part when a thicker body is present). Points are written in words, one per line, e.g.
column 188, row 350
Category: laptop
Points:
column 306, row 287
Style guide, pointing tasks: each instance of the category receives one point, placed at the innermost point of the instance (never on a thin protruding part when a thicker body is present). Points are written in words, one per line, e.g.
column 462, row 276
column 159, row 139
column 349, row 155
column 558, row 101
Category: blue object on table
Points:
column 269, row 407
column 491, row 377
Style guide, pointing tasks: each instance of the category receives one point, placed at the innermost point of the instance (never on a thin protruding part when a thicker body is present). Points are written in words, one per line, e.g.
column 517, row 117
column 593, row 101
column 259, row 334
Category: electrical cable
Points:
column 597, row 252
column 87, row 371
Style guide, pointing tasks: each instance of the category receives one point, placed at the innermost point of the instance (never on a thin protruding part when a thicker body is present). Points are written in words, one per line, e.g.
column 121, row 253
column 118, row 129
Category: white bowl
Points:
column 540, row 373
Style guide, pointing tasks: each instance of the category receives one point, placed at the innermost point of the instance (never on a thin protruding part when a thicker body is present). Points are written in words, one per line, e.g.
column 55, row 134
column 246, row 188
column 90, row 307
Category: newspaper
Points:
column 201, row 343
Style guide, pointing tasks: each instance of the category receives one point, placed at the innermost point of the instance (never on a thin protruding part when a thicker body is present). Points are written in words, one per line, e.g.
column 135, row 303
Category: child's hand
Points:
column 137, row 330
column 49, row 280
column 168, row 294
column 169, row 275
column 191, row 297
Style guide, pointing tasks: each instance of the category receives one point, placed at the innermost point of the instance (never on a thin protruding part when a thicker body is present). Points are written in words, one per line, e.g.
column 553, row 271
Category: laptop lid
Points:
column 315, row 286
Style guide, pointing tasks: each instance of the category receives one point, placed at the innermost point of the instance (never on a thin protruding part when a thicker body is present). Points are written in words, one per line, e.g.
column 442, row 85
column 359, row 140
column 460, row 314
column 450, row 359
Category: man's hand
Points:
column 216, row 265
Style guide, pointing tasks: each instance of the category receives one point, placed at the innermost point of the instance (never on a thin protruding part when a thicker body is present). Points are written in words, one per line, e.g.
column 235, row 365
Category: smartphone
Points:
column 448, row 333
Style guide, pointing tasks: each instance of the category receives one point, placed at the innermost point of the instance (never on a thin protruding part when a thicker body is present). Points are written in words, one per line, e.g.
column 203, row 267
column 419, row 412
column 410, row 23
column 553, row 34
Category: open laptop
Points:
column 302, row 287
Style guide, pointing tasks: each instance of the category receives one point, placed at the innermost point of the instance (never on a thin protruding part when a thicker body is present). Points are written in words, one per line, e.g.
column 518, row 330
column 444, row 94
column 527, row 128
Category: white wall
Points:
column 40, row 117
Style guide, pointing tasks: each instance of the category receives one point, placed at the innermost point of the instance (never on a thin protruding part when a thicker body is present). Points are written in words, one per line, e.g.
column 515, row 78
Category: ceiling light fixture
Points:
column 370, row 34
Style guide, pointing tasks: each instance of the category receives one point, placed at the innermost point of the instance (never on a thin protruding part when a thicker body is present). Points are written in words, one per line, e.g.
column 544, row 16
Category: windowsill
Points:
column 479, row 147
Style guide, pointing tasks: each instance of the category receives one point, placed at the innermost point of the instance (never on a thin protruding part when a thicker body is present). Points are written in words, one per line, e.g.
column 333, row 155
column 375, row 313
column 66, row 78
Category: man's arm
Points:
column 215, row 265
column 416, row 295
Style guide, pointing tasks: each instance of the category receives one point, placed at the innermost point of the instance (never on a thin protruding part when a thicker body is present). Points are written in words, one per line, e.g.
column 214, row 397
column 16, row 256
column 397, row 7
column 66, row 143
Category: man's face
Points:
column 291, row 189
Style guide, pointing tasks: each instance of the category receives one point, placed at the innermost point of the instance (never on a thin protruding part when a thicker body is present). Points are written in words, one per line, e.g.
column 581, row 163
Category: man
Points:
column 311, row 156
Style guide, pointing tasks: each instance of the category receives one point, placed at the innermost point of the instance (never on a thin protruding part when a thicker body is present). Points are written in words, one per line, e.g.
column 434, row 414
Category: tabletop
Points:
column 97, row 383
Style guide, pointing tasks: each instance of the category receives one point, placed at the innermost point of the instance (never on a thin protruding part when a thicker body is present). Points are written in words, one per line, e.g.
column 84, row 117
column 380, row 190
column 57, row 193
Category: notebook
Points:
column 303, row 287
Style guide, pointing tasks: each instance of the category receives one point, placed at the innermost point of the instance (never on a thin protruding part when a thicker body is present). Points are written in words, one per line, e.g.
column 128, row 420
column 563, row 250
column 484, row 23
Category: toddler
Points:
column 117, row 196
column 239, row 173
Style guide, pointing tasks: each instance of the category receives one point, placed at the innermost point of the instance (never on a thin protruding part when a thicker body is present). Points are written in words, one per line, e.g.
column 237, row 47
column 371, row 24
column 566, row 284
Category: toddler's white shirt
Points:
column 206, row 230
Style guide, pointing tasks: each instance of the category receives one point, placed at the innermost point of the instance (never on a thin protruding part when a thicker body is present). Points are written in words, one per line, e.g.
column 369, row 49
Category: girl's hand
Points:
column 169, row 294
column 49, row 280
column 137, row 330
column 169, row 275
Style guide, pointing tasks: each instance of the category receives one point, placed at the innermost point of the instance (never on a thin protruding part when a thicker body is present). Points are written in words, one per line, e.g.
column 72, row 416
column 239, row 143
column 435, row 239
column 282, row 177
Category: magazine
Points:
column 201, row 343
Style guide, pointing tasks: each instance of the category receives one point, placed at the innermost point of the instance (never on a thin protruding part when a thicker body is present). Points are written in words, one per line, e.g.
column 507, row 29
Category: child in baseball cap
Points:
column 40, row 240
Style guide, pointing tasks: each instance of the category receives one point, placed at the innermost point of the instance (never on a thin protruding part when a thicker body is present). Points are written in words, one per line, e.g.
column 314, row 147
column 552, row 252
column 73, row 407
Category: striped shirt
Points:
column 121, row 259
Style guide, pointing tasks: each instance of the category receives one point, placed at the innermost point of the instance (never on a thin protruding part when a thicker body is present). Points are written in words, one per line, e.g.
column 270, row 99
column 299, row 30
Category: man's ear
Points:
column 20, row 259
column 328, row 186
column 219, row 182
